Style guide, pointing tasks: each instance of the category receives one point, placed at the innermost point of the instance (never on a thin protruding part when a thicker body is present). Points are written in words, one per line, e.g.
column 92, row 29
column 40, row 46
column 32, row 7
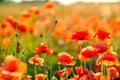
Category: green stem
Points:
column 73, row 72
column 59, row 67
column 102, row 70
column 50, row 70
column 108, row 73
column 80, row 63
column 35, row 72
column 85, row 64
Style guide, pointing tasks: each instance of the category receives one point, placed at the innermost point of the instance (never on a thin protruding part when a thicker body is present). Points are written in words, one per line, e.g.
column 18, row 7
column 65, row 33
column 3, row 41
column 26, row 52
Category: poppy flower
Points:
column 37, row 60
column 41, row 77
column 113, row 73
column 50, row 51
column 14, row 65
column 76, row 77
column 4, row 24
column 43, row 48
column 66, row 59
column 81, row 35
column 13, row 69
column 34, row 10
column 11, row 21
column 6, row 75
column 49, row 5
column 81, row 71
column 66, row 71
column 97, row 76
column 28, row 77
column 108, row 59
column 101, row 46
column 6, row 42
column 87, row 52
column 50, row 8
column 25, row 14
column 103, row 34
column 22, row 27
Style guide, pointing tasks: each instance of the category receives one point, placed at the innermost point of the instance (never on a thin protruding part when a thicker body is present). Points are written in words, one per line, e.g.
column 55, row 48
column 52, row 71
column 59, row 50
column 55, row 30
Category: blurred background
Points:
column 102, row 8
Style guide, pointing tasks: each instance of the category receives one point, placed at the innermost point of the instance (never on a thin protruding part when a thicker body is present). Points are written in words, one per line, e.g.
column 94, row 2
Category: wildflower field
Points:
column 49, row 41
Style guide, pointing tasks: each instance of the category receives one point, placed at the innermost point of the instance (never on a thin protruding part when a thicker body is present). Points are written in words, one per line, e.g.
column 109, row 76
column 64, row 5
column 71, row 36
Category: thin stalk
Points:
column 108, row 73
column 102, row 69
column 35, row 72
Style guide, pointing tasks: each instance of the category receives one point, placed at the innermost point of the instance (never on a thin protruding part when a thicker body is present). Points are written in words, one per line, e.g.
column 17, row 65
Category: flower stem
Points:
column 35, row 72
column 108, row 73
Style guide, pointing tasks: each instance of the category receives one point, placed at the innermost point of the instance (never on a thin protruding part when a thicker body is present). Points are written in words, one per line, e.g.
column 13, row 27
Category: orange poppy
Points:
column 76, row 77
column 81, row 71
column 81, row 35
column 25, row 14
column 14, row 65
column 113, row 73
column 6, row 42
column 36, row 60
column 50, row 51
column 50, row 8
column 87, row 52
column 28, row 77
column 6, row 75
column 49, row 5
column 13, row 69
column 66, row 71
column 66, row 59
column 41, row 77
column 101, row 46
column 103, row 34
column 4, row 24
column 34, row 10
column 43, row 48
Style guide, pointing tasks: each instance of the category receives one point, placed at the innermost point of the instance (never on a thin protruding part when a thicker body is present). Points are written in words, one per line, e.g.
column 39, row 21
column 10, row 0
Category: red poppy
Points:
column 103, row 34
column 37, row 60
column 12, row 21
column 41, row 77
column 81, row 35
column 66, row 59
column 66, row 71
column 43, row 48
column 113, row 72
column 101, row 46
column 22, row 27
column 108, row 59
column 87, row 52
column 81, row 71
